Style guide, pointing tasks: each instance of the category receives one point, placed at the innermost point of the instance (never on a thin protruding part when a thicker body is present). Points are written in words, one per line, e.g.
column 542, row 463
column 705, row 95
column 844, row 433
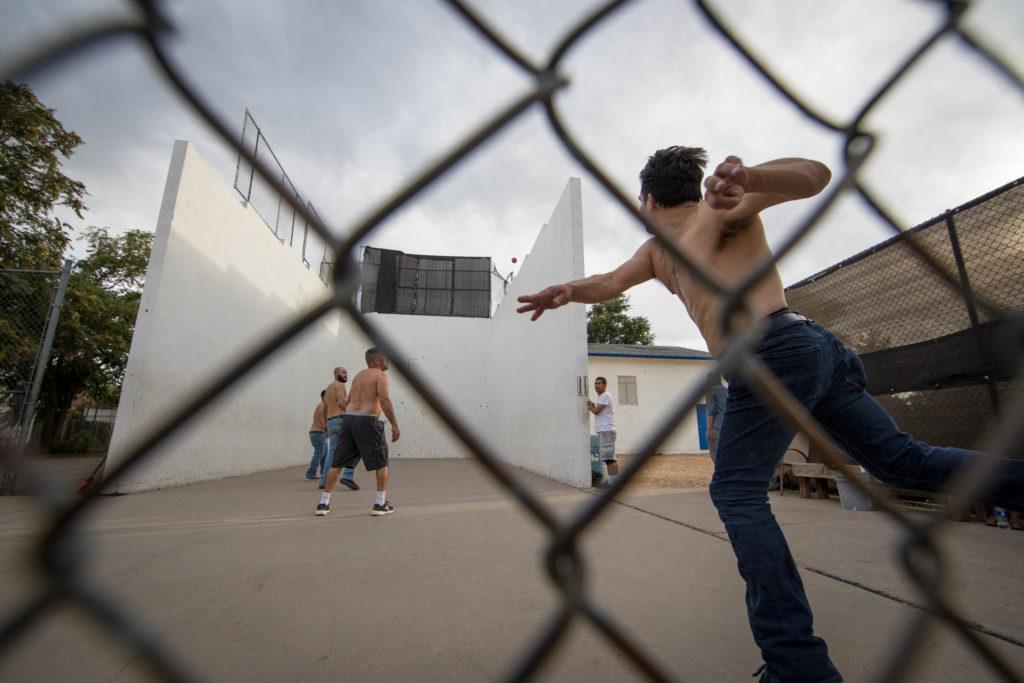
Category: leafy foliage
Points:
column 91, row 346
column 94, row 333
column 31, row 181
column 610, row 323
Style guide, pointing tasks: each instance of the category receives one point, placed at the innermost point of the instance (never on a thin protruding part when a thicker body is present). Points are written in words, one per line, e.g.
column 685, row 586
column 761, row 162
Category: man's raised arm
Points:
column 745, row 191
column 594, row 289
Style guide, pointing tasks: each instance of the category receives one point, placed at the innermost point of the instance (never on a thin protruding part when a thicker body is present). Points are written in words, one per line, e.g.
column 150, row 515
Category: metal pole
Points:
column 255, row 155
column 9, row 469
column 972, row 310
column 44, row 352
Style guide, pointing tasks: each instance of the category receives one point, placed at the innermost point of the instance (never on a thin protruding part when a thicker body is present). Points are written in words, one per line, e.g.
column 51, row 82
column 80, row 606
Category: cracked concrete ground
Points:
column 240, row 580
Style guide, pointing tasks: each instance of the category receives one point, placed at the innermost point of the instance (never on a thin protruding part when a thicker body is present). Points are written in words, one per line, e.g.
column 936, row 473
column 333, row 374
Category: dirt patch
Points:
column 683, row 471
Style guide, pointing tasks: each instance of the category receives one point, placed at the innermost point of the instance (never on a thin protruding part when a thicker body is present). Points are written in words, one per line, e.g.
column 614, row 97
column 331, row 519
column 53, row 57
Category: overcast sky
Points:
column 357, row 97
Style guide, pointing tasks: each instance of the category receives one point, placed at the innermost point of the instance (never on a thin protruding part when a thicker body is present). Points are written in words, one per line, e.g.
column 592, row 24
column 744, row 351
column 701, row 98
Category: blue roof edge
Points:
column 644, row 355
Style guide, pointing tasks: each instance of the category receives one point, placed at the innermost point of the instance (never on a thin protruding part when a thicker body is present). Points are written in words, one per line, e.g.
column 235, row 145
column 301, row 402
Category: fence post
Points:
column 9, row 470
column 972, row 310
column 255, row 157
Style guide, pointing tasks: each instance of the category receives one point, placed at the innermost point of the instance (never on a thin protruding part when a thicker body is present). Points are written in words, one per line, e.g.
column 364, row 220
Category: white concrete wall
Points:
column 542, row 425
column 219, row 281
column 660, row 383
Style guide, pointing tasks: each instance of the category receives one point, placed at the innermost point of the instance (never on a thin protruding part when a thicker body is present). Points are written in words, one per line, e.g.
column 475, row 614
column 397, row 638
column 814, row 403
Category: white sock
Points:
column 380, row 497
column 325, row 497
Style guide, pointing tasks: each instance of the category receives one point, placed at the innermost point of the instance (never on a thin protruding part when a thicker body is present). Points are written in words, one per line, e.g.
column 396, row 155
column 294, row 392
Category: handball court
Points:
column 244, row 583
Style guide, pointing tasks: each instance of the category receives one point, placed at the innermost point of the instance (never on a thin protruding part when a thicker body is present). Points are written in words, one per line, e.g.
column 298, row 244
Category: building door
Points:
column 702, row 425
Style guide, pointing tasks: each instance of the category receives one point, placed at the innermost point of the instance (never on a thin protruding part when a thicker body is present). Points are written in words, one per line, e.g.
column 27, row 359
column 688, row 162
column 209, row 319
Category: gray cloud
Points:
column 356, row 98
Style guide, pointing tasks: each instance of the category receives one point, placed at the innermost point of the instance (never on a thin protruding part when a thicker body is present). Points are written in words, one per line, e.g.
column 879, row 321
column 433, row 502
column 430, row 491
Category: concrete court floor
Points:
column 243, row 582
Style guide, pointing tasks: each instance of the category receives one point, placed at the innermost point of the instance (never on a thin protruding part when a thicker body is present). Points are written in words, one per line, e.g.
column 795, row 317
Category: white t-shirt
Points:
column 605, row 420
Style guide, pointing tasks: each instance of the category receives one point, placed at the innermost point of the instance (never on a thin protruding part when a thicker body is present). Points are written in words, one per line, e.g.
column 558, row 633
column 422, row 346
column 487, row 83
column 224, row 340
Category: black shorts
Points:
column 361, row 437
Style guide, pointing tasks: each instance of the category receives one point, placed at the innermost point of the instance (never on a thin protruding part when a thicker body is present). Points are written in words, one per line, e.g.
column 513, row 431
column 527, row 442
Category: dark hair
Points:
column 322, row 393
column 672, row 175
column 372, row 354
column 601, row 379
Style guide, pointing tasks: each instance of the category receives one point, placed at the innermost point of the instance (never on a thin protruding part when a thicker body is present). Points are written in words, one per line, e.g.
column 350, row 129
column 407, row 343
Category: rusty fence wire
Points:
column 62, row 552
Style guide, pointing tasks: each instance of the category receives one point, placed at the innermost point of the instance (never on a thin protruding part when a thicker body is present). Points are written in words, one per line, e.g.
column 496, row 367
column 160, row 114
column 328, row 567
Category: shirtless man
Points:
column 361, row 434
column 335, row 400
column 724, row 232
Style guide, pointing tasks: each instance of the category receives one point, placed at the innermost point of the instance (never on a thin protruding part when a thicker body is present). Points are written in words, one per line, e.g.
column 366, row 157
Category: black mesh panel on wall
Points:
column 415, row 284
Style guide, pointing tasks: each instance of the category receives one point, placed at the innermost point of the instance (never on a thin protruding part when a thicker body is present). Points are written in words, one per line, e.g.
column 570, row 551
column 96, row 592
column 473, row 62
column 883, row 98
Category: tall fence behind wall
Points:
column 63, row 556
column 27, row 299
column 941, row 366
column 278, row 209
column 30, row 301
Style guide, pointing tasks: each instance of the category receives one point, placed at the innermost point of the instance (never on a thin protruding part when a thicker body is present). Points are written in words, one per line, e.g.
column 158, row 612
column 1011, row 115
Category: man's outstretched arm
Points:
column 594, row 289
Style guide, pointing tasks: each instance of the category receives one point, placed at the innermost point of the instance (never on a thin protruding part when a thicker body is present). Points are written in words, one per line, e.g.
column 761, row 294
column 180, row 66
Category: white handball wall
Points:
column 219, row 282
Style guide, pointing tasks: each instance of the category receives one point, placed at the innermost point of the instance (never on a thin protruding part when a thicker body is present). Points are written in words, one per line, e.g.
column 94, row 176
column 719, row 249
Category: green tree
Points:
column 610, row 323
column 31, row 182
column 90, row 349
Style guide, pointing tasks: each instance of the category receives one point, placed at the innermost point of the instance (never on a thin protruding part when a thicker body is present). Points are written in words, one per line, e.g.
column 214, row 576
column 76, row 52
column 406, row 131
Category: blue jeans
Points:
column 333, row 430
column 319, row 442
column 828, row 379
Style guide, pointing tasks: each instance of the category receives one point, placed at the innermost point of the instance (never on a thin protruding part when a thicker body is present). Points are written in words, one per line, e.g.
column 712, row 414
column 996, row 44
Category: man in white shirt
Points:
column 604, row 425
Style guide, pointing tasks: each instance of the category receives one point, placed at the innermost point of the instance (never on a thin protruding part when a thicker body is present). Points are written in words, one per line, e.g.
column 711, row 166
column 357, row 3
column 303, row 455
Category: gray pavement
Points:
column 242, row 581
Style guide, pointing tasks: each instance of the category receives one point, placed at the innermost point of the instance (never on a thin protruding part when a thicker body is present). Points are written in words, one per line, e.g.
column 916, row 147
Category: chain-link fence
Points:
column 277, row 209
column 30, row 303
column 941, row 367
column 920, row 552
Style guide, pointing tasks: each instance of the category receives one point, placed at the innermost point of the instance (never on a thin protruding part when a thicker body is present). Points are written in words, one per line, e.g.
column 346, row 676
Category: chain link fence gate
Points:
column 921, row 552
column 31, row 301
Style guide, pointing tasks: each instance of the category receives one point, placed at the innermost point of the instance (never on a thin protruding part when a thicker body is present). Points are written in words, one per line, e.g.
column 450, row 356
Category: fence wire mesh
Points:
column 25, row 298
column 921, row 552
column 941, row 367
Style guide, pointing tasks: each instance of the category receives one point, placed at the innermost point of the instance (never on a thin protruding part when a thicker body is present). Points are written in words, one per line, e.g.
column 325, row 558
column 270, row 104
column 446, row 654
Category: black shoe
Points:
column 322, row 509
column 385, row 509
column 349, row 483
column 309, row 478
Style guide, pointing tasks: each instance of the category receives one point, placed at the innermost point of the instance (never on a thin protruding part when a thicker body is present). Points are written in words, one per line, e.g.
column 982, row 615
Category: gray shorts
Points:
column 361, row 437
column 606, row 446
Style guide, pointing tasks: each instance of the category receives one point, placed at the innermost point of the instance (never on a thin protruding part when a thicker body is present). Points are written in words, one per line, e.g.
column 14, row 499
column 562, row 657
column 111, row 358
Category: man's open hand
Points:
column 727, row 185
column 395, row 433
column 554, row 296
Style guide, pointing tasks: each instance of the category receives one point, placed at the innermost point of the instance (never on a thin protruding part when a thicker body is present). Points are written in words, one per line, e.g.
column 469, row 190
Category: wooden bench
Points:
column 817, row 471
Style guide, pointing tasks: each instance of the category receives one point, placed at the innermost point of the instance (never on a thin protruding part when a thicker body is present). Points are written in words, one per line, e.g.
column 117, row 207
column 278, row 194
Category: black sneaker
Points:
column 322, row 509
column 385, row 509
column 349, row 483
